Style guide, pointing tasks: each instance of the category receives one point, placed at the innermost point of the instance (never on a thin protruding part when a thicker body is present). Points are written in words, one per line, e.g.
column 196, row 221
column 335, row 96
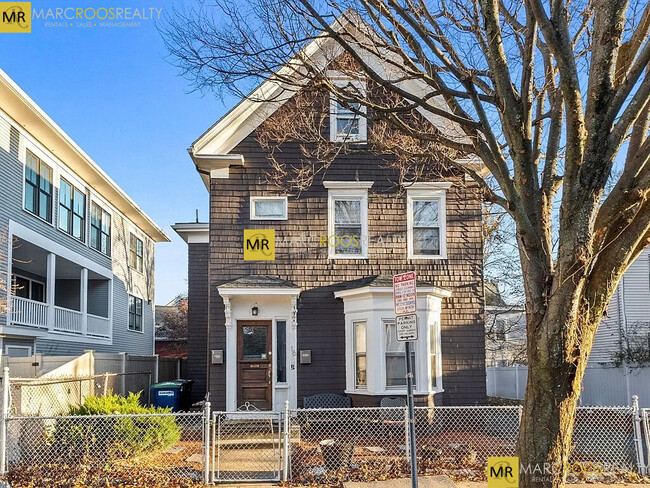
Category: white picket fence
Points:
column 602, row 385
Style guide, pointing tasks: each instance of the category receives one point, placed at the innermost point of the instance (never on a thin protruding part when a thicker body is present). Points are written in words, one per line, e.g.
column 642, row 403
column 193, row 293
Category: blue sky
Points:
column 113, row 91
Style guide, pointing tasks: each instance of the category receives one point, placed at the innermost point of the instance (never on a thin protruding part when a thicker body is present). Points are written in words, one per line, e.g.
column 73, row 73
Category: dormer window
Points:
column 347, row 117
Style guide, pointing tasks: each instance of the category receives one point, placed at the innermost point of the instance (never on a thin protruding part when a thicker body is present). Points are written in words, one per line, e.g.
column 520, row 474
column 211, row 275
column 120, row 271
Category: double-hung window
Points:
column 396, row 358
column 268, row 208
column 38, row 187
column 360, row 368
column 100, row 229
column 135, row 313
column 348, row 219
column 72, row 210
column 348, row 121
column 136, row 253
column 427, row 222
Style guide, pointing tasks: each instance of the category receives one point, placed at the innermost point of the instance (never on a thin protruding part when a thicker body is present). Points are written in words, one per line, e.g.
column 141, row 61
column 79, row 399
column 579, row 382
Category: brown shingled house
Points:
column 319, row 318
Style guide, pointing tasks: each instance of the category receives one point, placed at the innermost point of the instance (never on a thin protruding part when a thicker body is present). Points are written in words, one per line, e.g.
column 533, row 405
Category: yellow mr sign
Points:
column 259, row 244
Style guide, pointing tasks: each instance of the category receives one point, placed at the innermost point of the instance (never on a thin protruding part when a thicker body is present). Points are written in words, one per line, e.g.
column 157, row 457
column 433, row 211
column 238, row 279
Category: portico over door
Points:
column 254, row 365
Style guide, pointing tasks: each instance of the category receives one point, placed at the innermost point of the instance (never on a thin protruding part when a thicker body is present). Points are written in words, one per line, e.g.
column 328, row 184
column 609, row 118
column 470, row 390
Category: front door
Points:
column 254, row 363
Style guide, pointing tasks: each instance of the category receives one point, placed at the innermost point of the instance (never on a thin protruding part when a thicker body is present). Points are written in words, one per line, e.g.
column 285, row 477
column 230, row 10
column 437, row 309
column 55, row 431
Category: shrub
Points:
column 112, row 436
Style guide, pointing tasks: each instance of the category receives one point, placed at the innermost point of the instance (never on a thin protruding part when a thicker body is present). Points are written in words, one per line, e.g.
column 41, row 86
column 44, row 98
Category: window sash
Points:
column 135, row 313
column 135, row 253
column 360, row 364
column 72, row 210
column 38, row 187
column 395, row 359
column 348, row 226
column 100, row 229
column 268, row 208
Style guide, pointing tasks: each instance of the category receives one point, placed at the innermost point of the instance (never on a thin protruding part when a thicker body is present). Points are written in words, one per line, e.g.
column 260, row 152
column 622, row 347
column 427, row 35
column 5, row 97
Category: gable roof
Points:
column 211, row 151
column 25, row 112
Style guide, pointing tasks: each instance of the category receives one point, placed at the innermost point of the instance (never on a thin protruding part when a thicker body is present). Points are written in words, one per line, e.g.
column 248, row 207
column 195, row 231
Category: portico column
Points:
column 83, row 300
column 49, row 292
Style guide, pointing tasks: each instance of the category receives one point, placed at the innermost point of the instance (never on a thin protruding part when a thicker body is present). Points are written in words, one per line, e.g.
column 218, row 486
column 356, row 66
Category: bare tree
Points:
column 548, row 96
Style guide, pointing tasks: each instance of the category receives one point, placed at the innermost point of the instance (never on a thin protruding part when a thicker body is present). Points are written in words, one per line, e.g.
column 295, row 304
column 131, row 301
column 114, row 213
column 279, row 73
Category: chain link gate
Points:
column 247, row 446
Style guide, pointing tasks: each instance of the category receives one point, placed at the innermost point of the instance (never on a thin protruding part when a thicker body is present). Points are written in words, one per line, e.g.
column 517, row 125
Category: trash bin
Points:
column 173, row 394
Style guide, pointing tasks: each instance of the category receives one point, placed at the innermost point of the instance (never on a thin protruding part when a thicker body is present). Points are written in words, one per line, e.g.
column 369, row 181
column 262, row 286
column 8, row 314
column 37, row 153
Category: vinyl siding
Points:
column 629, row 308
column 125, row 280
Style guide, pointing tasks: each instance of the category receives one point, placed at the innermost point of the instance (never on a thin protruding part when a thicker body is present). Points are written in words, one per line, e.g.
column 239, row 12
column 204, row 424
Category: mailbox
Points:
column 305, row 356
column 217, row 356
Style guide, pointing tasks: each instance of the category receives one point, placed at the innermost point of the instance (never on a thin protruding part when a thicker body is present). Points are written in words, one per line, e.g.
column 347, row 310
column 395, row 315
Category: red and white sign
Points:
column 404, row 293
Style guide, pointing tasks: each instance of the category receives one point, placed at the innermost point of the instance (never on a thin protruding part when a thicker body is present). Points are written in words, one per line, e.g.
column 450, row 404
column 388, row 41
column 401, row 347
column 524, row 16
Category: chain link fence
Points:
column 56, row 396
column 248, row 446
column 107, row 450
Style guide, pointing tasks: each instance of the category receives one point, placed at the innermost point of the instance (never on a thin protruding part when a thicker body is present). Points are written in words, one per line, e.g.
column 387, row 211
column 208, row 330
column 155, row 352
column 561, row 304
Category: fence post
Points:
column 206, row 443
column 638, row 439
column 287, row 442
column 157, row 371
column 123, row 376
column 3, row 421
column 517, row 381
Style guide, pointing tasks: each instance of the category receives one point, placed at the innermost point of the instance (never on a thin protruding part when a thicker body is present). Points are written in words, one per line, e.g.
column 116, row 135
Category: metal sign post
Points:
column 405, row 302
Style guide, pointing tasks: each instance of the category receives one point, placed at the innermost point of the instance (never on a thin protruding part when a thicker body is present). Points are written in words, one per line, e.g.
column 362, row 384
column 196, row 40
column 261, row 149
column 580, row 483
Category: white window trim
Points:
column 354, row 354
column 128, row 312
column 427, row 194
column 348, row 193
column 73, row 185
column 254, row 199
column 384, row 322
column 93, row 200
column 363, row 120
column 17, row 346
column 27, row 146
column 31, row 280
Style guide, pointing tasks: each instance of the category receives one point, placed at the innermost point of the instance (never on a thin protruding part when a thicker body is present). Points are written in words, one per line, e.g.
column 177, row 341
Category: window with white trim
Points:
column 395, row 354
column 27, row 288
column 426, row 221
column 434, row 344
column 136, row 253
column 15, row 351
column 72, row 210
column 347, row 233
column 348, row 122
column 360, row 366
column 100, row 229
column 38, row 187
column 268, row 208
column 135, row 313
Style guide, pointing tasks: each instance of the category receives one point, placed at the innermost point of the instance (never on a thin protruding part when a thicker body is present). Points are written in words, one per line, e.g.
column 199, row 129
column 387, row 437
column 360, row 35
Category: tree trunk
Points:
column 552, row 392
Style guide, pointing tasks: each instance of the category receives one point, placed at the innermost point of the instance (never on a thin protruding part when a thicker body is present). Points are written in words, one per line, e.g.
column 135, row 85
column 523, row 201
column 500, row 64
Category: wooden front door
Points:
column 254, row 363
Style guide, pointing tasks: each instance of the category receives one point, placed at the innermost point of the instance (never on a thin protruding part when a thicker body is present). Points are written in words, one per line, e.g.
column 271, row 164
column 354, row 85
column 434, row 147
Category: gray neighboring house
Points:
column 76, row 250
column 505, row 330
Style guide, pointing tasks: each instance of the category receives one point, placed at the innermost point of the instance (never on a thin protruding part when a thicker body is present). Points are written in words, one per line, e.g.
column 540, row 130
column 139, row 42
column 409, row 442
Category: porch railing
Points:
column 99, row 326
column 66, row 320
column 28, row 312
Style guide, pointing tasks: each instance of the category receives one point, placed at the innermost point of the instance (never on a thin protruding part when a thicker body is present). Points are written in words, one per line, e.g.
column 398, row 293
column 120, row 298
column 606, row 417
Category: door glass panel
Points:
column 254, row 342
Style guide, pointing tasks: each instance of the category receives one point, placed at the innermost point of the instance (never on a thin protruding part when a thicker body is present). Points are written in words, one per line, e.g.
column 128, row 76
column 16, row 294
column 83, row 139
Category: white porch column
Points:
column 49, row 292
column 83, row 300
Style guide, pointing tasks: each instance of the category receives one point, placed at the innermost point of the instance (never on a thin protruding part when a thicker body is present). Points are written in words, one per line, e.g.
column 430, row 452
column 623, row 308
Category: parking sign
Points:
column 404, row 293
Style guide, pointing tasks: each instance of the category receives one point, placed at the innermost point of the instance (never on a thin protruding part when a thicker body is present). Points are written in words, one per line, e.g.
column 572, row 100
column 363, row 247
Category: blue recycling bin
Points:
column 173, row 394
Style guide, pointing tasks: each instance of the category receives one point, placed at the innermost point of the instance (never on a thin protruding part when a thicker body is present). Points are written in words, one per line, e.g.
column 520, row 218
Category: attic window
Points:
column 347, row 120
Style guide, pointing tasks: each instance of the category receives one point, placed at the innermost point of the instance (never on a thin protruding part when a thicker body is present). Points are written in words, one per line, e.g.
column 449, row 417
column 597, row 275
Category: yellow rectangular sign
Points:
column 15, row 17
column 503, row 472
column 259, row 244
